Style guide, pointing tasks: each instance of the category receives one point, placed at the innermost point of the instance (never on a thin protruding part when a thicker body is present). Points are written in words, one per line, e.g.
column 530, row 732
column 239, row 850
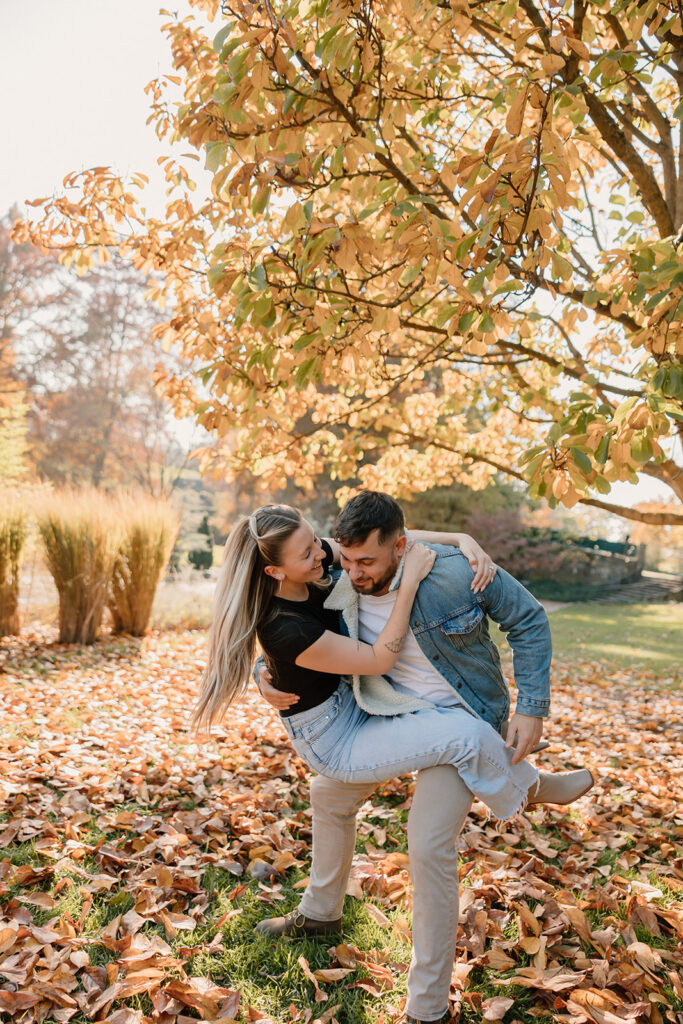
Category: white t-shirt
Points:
column 412, row 672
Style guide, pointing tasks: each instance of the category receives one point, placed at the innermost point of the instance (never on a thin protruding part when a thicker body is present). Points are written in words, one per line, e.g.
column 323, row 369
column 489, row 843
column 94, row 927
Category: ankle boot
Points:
column 560, row 787
column 297, row 924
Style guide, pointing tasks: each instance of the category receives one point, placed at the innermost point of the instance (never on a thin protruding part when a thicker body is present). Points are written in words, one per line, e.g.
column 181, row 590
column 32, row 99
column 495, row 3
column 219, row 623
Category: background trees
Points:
column 442, row 241
column 78, row 402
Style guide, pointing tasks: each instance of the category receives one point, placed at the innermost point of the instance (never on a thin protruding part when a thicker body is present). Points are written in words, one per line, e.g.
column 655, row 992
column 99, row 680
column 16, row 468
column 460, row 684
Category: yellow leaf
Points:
column 579, row 47
column 552, row 63
column 515, row 117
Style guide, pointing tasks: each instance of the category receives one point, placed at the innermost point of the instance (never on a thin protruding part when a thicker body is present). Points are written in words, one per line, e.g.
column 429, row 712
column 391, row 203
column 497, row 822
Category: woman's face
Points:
column 301, row 555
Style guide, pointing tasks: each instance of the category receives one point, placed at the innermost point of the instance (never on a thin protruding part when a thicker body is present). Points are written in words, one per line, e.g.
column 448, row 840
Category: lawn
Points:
column 137, row 860
column 644, row 637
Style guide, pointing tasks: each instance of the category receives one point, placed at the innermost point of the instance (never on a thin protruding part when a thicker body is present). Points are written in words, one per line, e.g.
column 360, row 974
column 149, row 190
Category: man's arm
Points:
column 278, row 699
column 525, row 622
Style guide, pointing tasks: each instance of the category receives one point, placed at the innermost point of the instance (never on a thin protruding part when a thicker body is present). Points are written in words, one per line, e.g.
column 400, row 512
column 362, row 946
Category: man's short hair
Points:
column 368, row 511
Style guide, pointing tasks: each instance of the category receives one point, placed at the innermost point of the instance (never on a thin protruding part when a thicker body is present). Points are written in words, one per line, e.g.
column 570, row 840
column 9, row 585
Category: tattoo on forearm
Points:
column 395, row 645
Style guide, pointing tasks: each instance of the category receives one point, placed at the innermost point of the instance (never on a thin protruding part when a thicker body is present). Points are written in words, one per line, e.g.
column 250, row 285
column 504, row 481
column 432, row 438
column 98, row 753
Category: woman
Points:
column 273, row 586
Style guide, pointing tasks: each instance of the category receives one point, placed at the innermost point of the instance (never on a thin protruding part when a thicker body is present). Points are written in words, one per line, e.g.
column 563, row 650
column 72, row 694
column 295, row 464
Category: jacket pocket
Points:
column 464, row 629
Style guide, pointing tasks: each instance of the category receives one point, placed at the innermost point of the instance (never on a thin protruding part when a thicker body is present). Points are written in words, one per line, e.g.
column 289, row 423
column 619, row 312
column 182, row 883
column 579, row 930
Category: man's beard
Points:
column 378, row 585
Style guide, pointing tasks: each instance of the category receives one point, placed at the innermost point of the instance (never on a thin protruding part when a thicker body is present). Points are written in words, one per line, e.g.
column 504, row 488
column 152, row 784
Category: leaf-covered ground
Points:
column 135, row 861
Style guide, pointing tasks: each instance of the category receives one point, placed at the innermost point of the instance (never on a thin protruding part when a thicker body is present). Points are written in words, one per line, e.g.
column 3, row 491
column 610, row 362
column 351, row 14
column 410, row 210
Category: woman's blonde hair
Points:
column 242, row 602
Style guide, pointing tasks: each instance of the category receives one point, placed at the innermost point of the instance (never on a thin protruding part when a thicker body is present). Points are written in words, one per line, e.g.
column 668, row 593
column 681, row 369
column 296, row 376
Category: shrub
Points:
column 200, row 558
column 81, row 535
column 528, row 553
column 13, row 520
column 150, row 526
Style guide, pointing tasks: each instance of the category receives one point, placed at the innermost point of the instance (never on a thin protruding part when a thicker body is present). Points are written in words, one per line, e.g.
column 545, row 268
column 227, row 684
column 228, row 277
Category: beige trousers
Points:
column 440, row 806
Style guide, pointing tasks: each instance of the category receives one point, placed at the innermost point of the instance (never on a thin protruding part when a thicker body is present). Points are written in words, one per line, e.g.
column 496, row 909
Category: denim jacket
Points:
column 450, row 623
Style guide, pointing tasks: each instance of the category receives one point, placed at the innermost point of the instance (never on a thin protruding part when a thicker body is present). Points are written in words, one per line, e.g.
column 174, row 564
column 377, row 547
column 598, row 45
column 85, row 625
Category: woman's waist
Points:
column 297, row 722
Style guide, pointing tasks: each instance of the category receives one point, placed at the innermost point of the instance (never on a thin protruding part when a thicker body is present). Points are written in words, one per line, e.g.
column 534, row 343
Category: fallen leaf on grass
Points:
column 239, row 801
column 378, row 916
column 496, row 1007
column 320, row 995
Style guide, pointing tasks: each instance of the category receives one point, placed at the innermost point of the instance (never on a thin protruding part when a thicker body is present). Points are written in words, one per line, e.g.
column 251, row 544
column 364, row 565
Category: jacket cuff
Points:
column 534, row 708
column 258, row 665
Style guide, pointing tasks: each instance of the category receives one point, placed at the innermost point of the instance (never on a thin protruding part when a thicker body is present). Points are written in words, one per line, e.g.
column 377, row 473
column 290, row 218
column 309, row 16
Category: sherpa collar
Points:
column 373, row 694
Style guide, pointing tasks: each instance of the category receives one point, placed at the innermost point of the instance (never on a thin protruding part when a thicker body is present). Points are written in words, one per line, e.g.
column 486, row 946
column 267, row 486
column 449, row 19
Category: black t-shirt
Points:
column 293, row 627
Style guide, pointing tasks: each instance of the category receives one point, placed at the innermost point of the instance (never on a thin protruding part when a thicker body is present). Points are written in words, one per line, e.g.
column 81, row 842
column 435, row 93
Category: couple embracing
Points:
column 376, row 652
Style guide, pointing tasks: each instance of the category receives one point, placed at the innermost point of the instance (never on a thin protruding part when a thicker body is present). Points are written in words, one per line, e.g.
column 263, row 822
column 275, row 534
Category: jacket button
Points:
column 436, row 657
column 459, row 685
column 416, row 624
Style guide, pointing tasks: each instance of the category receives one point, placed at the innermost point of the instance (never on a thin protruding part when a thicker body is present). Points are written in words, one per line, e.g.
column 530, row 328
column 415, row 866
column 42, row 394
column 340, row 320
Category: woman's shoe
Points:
column 560, row 787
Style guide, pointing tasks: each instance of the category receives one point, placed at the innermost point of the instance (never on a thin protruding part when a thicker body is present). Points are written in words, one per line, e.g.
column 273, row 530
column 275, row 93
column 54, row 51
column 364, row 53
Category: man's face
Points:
column 371, row 566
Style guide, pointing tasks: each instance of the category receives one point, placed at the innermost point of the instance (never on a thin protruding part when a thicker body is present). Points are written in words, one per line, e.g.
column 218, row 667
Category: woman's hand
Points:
column 276, row 698
column 418, row 564
column 482, row 564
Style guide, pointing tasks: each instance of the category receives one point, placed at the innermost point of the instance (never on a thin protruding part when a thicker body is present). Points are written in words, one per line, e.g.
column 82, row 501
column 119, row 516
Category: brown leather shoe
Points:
column 296, row 923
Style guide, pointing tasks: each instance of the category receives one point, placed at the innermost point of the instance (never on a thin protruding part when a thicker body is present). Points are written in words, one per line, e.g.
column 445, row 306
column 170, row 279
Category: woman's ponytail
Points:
column 241, row 603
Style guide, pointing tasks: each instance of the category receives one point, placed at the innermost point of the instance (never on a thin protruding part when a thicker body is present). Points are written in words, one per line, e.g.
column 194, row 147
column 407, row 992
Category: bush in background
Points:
column 13, row 524
column 81, row 535
column 526, row 552
column 150, row 527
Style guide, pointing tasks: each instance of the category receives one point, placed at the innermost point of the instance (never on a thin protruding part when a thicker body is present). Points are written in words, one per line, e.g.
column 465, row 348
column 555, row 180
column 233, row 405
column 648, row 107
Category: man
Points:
column 447, row 658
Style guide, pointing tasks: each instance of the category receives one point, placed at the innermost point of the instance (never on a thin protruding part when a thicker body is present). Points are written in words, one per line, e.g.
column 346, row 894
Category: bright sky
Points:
column 73, row 74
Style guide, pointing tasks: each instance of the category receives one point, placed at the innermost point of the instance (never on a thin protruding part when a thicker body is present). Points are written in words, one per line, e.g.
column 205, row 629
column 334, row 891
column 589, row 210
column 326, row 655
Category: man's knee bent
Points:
column 340, row 800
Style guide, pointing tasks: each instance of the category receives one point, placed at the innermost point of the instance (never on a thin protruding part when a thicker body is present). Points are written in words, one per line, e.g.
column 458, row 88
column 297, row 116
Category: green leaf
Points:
column 672, row 385
column 656, row 299
column 533, row 465
column 304, row 372
column 222, row 35
column 530, row 454
column 446, row 314
column 466, row 321
column 624, row 409
column 486, row 324
column 337, row 162
column 641, row 449
column 236, row 63
column 215, row 154
column 214, row 274
column 602, row 451
column 509, row 286
column 581, row 460
column 257, row 277
column 260, row 200
column 465, row 245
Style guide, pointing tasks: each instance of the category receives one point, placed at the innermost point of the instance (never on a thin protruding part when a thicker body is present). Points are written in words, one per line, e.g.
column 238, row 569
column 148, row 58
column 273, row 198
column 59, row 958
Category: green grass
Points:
column 630, row 635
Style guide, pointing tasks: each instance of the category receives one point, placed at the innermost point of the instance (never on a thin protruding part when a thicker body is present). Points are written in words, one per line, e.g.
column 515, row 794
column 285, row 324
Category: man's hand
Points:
column 278, row 699
column 524, row 732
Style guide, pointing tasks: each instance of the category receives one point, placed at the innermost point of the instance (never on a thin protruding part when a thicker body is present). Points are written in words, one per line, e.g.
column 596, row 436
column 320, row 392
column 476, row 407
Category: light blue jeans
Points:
column 341, row 741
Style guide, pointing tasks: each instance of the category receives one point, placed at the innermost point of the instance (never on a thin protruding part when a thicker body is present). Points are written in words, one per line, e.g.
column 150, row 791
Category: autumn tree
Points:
column 443, row 240
column 28, row 278
column 96, row 417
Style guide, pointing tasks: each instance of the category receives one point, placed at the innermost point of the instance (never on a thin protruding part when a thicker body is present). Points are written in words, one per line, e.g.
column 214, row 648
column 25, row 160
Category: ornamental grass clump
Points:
column 81, row 535
column 149, row 529
column 13, row 524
